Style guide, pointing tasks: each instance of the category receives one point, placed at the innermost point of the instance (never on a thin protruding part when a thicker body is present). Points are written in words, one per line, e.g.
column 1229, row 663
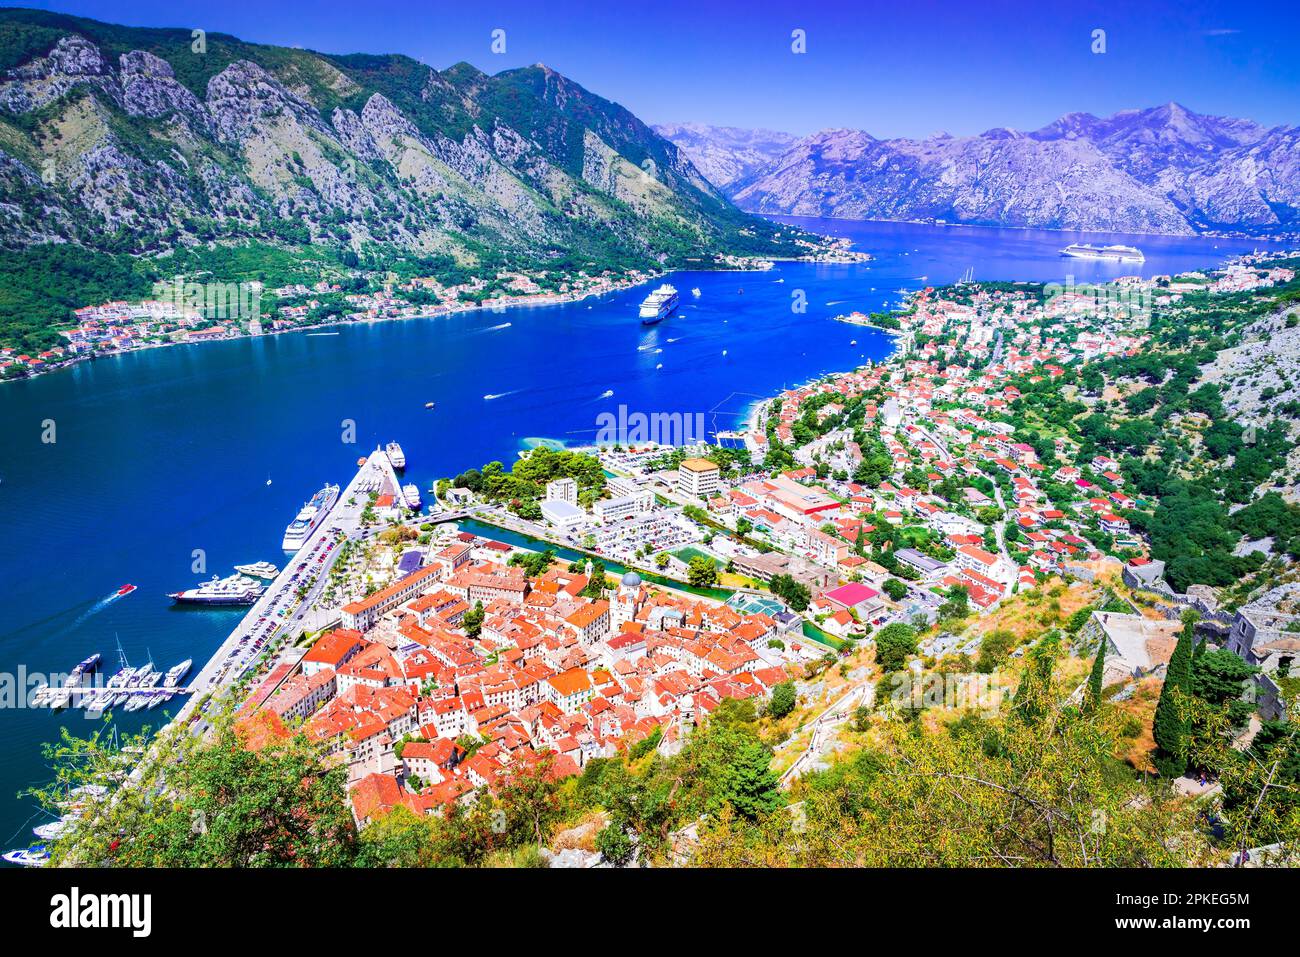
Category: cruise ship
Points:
column 263, row 570
column 1119, row 254
column 658, row 305
column 396, row 455
column 235, row 590
column 311, row 515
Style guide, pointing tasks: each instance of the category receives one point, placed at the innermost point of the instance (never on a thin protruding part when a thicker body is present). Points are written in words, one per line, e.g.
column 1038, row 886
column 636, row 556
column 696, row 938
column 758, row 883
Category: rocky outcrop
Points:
column 149, row 88
column 73, row 63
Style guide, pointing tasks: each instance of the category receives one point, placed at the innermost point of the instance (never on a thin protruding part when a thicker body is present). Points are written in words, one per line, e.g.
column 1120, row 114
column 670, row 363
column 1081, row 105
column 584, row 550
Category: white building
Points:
column 562, row 514
column 626, row 506
column 698, row 477
column 562, row 490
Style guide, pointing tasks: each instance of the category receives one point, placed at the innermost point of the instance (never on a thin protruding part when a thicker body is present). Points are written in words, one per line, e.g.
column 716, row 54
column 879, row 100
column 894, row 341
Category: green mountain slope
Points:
column 137, row 141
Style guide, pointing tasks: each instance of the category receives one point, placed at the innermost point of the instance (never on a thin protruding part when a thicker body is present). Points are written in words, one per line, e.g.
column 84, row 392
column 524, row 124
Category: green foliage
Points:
column 40, row 286
column 794, row 594
column 976, row 793
column 894, row 643
column 1092, row 697
column 533, row 563
column 472, row 620
column 223, row 806
column 527, row 480
column 1171, row 725
column 783, row 700
column 701, row 572
column 995, row 647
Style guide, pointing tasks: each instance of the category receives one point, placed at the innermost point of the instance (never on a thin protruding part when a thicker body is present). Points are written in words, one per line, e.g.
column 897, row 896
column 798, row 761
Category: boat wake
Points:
column 498, row 326
column 606, row 394
column 95, row 609
column 498, row 395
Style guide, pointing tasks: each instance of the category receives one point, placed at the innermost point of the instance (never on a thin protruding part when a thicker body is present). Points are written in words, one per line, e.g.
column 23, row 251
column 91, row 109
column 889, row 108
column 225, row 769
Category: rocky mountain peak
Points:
column 1161, row 169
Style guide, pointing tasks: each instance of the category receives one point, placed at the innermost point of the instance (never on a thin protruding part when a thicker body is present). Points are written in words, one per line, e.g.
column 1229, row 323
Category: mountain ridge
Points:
column 1164, row 169
column 139, row 140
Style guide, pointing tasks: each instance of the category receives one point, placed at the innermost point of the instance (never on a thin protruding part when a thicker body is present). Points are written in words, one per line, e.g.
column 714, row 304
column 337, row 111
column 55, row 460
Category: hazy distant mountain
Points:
column 130, row 140
column 1164, row 169
column 727, row 155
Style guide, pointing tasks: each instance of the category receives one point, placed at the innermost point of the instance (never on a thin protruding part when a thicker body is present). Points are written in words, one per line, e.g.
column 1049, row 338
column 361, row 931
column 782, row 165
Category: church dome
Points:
column 631, row 580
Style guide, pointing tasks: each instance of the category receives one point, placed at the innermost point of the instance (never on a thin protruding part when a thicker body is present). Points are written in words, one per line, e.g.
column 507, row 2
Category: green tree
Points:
column 224, row 804
column 783, row 700
column 472, row 620
column 615, row 845
column 894, row 643
column 1092, row 698
column 895, row 589
column 701, row 572
column 1171, row 725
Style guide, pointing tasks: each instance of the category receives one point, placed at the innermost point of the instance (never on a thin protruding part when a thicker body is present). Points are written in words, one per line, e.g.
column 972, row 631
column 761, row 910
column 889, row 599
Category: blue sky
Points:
column 894, row 69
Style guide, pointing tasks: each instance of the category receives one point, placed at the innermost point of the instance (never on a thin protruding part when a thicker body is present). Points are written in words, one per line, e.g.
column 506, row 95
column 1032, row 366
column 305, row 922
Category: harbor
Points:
column 283, row 607
column 304, row 386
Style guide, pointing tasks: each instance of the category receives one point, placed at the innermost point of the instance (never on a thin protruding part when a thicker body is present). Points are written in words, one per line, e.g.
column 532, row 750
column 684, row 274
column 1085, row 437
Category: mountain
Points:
column 1159, row 170
column 142, row 140
column 727, row 155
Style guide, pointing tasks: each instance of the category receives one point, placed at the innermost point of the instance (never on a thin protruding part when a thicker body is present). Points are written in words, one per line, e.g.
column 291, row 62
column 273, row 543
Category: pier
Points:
column 283, row 607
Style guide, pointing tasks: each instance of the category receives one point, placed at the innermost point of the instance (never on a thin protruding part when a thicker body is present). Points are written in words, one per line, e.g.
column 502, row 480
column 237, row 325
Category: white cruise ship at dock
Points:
column 310, row 516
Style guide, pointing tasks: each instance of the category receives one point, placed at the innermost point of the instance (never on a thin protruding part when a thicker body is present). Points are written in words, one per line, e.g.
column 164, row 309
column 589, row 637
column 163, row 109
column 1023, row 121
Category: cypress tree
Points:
column 1092, row 697
column 1170, row 728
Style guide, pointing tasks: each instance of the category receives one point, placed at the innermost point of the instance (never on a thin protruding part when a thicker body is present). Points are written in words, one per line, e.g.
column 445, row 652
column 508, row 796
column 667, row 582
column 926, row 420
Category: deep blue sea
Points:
column 163, row 452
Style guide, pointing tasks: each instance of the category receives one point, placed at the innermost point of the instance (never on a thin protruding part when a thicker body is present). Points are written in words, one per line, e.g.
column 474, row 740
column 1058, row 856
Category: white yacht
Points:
column 36, row 856
column 234, row 590
column 396, row 455
column 264, row 570
column 56, row 829
column 177, row 672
